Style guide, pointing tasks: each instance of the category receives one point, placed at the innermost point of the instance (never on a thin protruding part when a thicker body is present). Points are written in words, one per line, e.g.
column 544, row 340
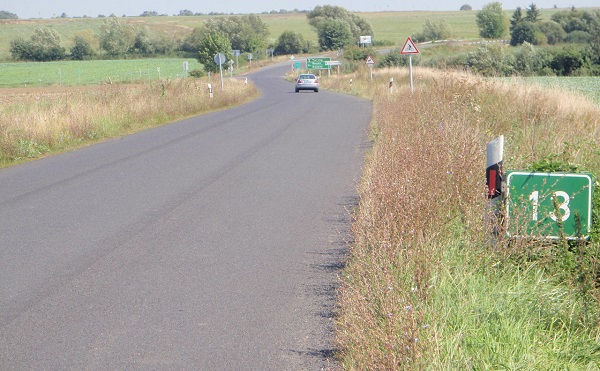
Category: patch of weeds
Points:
column 25, row 148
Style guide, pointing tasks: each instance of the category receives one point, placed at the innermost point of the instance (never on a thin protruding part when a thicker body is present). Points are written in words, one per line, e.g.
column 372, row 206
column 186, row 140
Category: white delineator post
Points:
column 493, row 178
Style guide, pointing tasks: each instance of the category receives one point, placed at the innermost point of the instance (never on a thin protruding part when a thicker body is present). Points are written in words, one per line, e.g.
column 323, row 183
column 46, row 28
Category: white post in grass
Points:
column 493, row 177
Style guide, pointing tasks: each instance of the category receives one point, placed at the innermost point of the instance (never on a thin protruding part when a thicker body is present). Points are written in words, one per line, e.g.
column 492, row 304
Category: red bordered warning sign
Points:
column 409, row 47
column 370, row 60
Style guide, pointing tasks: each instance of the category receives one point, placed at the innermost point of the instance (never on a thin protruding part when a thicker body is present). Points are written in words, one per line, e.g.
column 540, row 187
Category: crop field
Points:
column 586, row 86
column 92, row 72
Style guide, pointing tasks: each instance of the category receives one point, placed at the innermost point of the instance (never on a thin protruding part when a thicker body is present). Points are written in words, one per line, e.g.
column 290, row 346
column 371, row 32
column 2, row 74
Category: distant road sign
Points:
column 370, row 60
column 409, row 47
column 365, row 40
column 537, row 203
column 317, row 63
column 220, row 58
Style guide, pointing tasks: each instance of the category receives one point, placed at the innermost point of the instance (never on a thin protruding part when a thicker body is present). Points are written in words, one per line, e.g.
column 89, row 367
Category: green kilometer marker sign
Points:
column 317, row 63
column 544, row 204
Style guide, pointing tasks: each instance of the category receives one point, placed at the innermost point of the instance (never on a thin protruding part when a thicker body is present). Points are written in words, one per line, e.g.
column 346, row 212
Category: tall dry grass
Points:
column 34, row 122
column 422, row 199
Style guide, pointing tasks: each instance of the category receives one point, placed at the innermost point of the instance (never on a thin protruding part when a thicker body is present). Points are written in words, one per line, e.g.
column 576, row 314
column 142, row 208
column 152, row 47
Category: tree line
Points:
column 335, row 26
column 538, row 41
column 567, row 44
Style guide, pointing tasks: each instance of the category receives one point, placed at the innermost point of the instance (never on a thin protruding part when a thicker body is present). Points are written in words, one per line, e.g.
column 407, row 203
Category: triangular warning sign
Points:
column 370, row 60
column 409, row 47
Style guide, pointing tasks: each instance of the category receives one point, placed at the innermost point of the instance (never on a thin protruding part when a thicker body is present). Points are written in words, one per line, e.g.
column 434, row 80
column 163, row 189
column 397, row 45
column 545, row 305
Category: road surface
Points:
column 212, row 243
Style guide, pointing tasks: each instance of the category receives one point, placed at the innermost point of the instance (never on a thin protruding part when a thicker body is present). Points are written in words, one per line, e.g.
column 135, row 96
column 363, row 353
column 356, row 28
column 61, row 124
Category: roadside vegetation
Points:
column 424, row 288
column 37, row 122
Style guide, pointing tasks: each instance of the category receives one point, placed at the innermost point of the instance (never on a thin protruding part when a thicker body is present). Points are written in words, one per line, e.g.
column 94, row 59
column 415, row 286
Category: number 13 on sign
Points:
column 537, row 202
column 564, row 205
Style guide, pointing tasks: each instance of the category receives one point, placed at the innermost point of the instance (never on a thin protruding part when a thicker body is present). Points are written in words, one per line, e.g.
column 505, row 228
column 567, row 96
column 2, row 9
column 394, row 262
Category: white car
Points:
column 307, row 81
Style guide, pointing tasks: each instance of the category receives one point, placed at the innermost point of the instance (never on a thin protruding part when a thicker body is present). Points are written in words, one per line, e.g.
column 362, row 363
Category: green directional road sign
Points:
column 549, row 204
column 317, row 63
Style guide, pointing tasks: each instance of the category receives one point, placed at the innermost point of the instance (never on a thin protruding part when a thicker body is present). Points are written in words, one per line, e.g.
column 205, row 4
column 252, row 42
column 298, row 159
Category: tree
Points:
column 81, row 49
column 517, row 18
column 530, row 60
column 247, row 33
column 573, row 20
column 594, row 31
column 320, row 16
column 47, row 40
column 185, row 13
column 523, row 32
column 142, row 43
column 290, row 42
column 7, row 15
column 192, row 41
column 21, row 50
column 491, row 60
column 43, row 46
column 334, row 34
column 567, row 61
column 466, row 7
column 554, row 33
column 533, row 14
column 492, row 21
column 213, row 42
column 116, row 37
column 434, row 31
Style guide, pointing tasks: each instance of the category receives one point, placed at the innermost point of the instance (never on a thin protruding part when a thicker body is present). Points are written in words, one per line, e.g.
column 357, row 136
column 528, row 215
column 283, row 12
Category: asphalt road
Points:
column 212, row 243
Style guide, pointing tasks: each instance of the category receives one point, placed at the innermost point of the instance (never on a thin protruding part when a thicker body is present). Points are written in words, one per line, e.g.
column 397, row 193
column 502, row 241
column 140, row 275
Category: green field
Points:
column 92, row 72
column 588, row 86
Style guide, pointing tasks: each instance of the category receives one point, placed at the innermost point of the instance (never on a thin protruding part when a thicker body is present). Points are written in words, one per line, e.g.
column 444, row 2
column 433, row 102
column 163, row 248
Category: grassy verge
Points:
column 423, row 288
column 38, row 121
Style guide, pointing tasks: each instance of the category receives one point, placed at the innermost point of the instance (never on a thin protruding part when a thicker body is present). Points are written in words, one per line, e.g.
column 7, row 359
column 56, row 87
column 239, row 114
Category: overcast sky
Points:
column 76, row 8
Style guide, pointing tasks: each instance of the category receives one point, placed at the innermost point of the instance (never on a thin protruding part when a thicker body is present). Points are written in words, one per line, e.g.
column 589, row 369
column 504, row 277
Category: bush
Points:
column 355, row 53
column 290, row 42
column 567, row 61
column 82, row 49
column 395, row 59
column 530, row 61
column 197, row 73
column 491, row 60
column 43, row 46
column 578, row 37
column 434, row 31
column 523, row 32
column 553, row 31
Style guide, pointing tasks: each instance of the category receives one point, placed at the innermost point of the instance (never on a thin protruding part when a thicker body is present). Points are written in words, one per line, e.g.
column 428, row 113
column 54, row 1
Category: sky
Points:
column 26, row 9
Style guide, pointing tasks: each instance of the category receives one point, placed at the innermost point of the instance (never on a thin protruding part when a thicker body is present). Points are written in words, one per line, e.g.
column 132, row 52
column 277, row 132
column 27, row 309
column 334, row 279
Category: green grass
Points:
column 498, row 316
column 91, row 72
